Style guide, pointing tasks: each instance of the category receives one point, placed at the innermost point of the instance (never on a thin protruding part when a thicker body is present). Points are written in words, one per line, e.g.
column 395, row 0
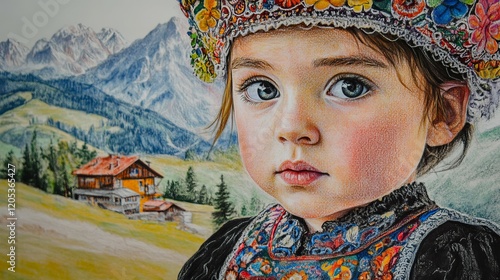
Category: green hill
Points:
column 58, row 238
column 89, row 114
column 18, row 124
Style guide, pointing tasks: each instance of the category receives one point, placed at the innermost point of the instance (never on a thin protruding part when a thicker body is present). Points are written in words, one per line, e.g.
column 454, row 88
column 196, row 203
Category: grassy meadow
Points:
column 58, row 238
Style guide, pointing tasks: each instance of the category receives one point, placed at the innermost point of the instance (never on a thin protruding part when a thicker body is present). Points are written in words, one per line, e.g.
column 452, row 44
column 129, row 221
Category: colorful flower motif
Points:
column 324, row 4
column 383, row 263
column 295, row 275
column 268, row 4
column 408, row 8
column 209, row 43
column 447, row 10
column 232, row 274
column 488, row 69
column 486, row 25
column 359, row 5
column 204, row 68
column 365, row 276
column 259, row 266
column 337, row 270
column 287, row 3
column 208, row 16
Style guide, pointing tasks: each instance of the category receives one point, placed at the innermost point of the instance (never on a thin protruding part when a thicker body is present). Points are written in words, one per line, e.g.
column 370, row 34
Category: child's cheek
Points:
column 383, row 153
column 253, row 139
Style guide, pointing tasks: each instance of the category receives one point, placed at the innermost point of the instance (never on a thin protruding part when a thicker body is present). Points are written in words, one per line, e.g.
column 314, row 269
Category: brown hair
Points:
column 421, row 62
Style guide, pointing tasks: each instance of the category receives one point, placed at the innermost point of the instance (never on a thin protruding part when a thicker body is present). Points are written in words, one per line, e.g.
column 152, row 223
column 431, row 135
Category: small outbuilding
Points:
column 168, row 209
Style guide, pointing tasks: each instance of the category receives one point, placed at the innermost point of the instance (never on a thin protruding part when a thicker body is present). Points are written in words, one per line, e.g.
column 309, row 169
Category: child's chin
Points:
column 305, row 211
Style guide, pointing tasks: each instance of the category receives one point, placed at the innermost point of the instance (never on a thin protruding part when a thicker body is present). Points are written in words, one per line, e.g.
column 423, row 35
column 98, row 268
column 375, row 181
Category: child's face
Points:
column 324, row 123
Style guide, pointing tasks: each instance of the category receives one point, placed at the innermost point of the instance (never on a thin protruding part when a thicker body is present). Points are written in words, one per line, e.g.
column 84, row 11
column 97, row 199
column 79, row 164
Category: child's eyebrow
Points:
column 242, row 62
column 349, row 61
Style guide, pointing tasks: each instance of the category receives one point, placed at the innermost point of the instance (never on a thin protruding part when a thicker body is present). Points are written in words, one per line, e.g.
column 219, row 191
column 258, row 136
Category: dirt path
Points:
column 88, row 237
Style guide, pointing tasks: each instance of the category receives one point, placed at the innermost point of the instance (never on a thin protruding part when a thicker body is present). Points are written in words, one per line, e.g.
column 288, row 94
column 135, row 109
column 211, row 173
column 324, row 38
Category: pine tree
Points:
column 191, row 184
column 85, row 154
column 203, row 196
column 27, row 172
column 64, row 180
column 66, row 162
column 243, row 211
column 4, row 170
column 174, row 189
column 189, row 155
column 36, row 165
column 51, row 158
column 73, row 147
column 224, row 209
column 166, row 193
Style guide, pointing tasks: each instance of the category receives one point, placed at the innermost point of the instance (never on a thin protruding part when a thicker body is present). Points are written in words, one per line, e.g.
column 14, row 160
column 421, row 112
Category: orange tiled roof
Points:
column 110, row 165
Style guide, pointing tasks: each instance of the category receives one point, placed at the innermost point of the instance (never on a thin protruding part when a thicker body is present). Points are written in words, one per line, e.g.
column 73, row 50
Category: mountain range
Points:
column 152, row 72
column 70, row 51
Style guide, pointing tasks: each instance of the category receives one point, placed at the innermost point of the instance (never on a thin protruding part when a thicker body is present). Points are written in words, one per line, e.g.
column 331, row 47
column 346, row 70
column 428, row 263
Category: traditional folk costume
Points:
column 403, row 235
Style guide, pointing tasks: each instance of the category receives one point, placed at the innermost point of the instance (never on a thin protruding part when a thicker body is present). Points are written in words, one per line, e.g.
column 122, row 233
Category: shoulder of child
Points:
column 460, row 248
column 207, row 261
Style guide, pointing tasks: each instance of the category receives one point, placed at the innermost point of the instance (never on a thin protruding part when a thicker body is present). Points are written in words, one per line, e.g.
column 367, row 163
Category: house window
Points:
column 134, row 172
column 141, row 186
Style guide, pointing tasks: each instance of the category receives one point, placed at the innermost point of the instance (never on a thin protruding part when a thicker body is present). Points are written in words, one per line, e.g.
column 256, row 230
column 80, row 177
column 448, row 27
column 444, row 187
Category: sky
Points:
column 30, row 20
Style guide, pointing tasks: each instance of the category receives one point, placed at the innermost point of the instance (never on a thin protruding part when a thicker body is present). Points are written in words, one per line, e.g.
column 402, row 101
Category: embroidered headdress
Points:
column 463, row 34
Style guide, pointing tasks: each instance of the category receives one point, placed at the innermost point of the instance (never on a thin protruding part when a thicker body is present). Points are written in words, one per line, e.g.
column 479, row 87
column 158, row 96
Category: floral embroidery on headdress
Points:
column 486, row 25
column 463, row 34
column 409, row 9
column 207, row 17
column 359, row 5
column 444, row 11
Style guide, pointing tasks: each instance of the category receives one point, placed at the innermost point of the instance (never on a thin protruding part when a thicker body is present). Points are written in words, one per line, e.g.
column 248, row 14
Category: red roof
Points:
column 110, row 165
column 156, row 203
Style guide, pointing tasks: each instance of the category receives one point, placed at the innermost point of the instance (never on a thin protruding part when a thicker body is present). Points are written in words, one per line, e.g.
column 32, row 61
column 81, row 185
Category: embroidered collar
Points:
column 352, row 232
column 364, row 244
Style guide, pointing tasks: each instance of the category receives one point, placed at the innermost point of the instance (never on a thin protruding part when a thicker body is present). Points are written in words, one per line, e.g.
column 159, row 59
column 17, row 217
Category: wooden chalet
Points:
column 114, row 173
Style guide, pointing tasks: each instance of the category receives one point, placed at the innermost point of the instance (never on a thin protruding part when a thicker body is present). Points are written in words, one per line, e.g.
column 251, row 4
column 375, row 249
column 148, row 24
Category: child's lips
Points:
column 299, row 173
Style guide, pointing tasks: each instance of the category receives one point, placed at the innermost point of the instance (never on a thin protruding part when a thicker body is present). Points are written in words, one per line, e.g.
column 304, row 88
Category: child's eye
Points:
column 260, row 91
column 349, row 88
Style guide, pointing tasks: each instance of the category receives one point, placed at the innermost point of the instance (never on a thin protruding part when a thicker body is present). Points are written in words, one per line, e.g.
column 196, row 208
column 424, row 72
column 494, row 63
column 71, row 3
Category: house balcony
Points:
column 149, row 190
column 124, row 208
column 130, row 206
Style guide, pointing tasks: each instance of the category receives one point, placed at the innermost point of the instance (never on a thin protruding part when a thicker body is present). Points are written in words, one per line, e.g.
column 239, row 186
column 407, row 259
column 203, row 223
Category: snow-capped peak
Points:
column 72, row 50
column 112, row 39
column 12, row 54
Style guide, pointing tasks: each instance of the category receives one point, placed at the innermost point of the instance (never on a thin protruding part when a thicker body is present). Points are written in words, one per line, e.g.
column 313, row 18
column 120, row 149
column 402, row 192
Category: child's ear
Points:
column 443, row 130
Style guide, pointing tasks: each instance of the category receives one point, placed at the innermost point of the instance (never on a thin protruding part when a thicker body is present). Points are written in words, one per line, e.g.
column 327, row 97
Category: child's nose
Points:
column 295, row 123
